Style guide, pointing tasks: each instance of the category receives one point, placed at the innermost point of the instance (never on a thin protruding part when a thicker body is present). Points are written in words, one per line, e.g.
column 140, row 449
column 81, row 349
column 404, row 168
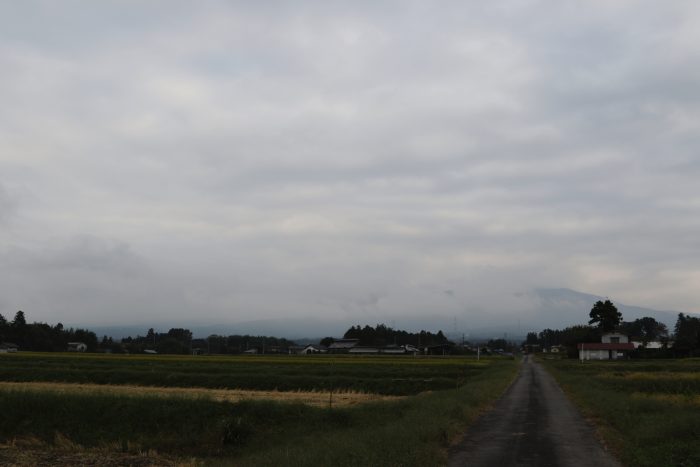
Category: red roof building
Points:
column 613, row 347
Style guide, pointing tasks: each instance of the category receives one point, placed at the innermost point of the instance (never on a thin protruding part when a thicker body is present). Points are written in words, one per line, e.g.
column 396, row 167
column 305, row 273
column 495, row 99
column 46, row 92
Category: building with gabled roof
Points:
column 613, row 346
column 343, row 345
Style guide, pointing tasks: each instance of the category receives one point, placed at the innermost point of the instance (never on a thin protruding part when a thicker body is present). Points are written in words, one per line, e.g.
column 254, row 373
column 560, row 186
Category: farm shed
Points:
column 394, row 349
column 8, row 347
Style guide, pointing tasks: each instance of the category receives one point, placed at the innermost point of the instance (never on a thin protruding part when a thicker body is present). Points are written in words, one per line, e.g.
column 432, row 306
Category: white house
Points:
column 77, row 347
column 614, row 338
column 613, row 346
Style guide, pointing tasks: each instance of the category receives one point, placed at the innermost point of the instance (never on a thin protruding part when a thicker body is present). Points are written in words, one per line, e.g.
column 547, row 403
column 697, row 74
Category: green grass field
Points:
column 647, row 411
column 443, row 396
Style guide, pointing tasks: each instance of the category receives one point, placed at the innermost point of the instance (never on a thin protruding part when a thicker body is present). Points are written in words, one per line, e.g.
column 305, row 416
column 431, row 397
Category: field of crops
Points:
column 376, row 374
column 170, row 410
column 648, row 411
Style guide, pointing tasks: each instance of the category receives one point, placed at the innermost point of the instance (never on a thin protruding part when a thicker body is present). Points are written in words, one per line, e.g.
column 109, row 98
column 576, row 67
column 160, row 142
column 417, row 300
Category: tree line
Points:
column 43, row 337
column 180, row 341
column 382, row 335
column 604, row 317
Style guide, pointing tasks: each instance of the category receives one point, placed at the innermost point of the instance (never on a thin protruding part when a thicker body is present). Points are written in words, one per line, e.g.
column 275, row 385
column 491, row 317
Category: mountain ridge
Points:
column 542, row 308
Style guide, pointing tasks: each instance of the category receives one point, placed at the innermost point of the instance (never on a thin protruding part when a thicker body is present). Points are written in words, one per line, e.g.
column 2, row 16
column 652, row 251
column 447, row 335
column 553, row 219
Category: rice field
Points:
column 68, row 409
column 398, row 376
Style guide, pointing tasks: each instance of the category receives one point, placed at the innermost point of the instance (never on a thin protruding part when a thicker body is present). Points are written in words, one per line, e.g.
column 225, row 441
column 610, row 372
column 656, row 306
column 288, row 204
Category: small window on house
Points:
column 614, row 340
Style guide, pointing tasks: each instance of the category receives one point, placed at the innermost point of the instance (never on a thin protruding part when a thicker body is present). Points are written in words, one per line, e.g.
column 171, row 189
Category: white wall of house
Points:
column 614, row 337
column 593, row 354
column 587, row 354
column 650, row 345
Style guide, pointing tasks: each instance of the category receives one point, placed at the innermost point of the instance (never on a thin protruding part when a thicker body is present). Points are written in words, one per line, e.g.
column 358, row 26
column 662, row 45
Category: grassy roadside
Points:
column 648, row 413
column 411, row 431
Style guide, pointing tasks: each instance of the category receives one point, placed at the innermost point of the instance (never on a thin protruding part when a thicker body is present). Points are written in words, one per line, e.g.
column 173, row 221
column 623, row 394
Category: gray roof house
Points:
column 342, row 345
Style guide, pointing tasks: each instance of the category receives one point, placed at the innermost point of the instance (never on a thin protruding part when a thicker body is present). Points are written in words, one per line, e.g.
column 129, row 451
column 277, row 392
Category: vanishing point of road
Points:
column 533, row 425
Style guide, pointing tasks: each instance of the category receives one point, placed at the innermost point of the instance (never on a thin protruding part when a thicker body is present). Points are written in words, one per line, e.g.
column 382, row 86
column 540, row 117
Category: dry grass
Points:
column 652, row 376
column 45, row 455
column 31, row 451
column 315, row 398
column 683, row 400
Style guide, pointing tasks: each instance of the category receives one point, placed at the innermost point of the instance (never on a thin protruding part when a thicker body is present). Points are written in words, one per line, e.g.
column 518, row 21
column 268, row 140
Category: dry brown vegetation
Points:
column 50, row 457
column 315, row 398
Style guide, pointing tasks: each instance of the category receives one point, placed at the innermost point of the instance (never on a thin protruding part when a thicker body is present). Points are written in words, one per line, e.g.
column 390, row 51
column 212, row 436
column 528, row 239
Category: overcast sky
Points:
column 217, row 162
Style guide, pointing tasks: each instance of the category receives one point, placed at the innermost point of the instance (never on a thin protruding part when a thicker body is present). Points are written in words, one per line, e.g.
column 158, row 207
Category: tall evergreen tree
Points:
column 605, row 316
column 687, row 334
column 19, row 321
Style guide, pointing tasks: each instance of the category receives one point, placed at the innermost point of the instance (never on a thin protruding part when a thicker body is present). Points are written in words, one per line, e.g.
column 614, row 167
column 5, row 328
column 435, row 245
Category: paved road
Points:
column 533, row 425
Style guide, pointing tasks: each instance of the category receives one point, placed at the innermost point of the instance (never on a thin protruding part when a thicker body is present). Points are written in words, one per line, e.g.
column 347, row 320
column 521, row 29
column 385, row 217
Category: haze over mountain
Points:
column 547, row 308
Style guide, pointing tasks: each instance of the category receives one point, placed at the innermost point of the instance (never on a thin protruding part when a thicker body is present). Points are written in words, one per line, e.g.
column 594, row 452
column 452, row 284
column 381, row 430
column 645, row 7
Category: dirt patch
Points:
column 315, row 398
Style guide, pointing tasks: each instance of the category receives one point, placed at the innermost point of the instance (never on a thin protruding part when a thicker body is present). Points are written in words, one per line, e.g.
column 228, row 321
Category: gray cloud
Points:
column 7, row 206
column 213, row 163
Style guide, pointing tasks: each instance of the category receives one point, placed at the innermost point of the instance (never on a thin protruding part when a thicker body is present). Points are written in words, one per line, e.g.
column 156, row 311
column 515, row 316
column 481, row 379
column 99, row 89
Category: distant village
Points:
column 606, row 336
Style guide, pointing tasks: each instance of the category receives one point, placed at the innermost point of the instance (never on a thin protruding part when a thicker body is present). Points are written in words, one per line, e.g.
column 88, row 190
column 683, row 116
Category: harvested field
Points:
column 314, row 398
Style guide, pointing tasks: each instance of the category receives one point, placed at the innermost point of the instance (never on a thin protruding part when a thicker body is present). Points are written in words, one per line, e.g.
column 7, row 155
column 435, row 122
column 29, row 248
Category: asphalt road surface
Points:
column 533, row 425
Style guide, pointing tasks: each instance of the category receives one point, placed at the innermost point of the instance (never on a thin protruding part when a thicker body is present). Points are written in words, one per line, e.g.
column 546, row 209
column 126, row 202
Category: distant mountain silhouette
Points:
column 534, row 311
column 565, row 307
